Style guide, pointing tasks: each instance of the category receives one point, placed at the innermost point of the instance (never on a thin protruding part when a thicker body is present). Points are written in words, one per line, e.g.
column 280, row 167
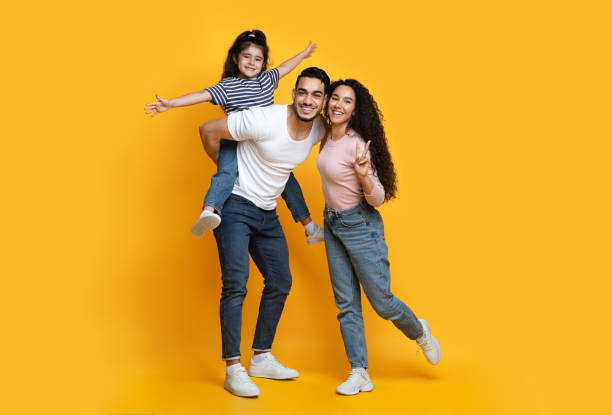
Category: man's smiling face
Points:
column 308, row 98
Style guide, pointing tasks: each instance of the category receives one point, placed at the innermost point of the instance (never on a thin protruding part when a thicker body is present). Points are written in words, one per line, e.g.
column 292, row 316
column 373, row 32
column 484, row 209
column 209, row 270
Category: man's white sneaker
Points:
column 429, row 344
column 316, row 236
column 206, row 221
column 240, row 384
column 358, row 381
column 271, row 368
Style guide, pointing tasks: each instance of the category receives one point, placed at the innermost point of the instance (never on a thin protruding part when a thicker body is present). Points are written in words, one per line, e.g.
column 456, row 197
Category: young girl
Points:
column 245, row 83
column 358, row 176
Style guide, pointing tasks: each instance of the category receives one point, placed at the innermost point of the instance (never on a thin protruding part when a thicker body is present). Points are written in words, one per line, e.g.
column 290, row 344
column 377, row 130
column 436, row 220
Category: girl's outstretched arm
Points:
column 289, row 65
column 162, row 104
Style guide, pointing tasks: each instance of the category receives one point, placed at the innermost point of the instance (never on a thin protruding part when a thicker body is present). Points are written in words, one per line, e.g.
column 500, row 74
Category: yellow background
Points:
column 498, row 118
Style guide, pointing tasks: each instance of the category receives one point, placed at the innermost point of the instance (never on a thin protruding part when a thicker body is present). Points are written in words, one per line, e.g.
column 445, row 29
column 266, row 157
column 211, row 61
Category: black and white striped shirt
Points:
column 237, row 94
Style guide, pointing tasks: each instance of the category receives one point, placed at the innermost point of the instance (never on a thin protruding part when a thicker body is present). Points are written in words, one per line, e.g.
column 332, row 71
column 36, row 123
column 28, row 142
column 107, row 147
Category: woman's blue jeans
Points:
column 357, row 257
column 222, row 184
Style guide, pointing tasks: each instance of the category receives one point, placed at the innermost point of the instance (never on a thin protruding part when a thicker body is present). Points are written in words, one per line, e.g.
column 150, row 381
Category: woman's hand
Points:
column 156, row 107
column 362, row 164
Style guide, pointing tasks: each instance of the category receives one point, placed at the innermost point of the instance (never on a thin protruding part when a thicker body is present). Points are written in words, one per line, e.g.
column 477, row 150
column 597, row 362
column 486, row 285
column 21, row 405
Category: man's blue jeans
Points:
column 357, row 256
column 222, row 184
column 245, row 229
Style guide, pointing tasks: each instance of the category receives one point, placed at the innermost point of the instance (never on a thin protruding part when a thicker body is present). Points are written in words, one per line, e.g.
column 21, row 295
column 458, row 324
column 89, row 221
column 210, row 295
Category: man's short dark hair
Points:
column 314, row 72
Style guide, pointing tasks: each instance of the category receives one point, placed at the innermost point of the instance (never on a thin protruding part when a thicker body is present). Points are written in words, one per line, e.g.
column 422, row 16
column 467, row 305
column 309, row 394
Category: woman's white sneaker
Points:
column 429, row 344
column 265, row 365
column 239, row 383
column 358, row 381
column 206, row 221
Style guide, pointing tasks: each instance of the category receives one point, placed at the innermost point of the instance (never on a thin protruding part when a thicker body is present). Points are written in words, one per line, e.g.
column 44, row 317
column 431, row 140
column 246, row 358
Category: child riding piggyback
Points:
column 245, row 83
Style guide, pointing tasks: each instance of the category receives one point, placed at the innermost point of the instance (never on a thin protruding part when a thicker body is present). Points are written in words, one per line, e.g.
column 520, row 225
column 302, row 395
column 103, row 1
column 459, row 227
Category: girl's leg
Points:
column 295, row 200
column 221, row 186
column 222, row 183
column 297, row 206
column 347, row 295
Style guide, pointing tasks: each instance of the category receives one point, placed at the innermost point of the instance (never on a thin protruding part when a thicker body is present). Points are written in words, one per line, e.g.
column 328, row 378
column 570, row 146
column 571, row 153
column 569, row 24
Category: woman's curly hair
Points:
column 367, row 122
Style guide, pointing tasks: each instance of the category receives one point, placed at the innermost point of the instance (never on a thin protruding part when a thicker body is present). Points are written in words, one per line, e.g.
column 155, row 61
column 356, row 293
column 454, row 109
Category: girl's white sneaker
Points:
column 206, row 221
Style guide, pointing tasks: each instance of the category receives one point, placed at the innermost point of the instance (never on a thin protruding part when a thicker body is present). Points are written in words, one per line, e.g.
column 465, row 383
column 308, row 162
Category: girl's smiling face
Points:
column 250, row 62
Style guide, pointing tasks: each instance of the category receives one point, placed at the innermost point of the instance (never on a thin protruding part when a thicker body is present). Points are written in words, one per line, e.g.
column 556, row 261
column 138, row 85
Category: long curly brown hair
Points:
column 367, row 122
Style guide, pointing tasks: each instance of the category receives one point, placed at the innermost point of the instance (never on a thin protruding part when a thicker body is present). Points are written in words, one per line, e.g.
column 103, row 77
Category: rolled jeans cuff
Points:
column 301, row 216
column 262, row 350
column 230, row 358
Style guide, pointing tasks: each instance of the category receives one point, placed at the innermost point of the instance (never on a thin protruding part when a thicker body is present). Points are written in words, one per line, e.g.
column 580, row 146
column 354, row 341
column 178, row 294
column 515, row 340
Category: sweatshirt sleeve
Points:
column 377, row 196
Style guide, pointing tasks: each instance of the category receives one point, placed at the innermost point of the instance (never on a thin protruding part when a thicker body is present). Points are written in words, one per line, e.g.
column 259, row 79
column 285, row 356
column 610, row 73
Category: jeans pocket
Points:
column 352, row 220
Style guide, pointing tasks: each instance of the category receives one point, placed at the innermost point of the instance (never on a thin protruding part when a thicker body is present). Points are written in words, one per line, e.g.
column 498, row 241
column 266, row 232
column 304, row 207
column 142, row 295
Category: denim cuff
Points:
column 230, row 358
column 261, row 350
column 300, row 217
column 212, row 205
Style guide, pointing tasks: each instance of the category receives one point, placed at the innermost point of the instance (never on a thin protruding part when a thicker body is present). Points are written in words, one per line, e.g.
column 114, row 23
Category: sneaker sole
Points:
column 242, row 395
column 439, row 348
column 365, row 388
column 204, row 224
column 256, row 374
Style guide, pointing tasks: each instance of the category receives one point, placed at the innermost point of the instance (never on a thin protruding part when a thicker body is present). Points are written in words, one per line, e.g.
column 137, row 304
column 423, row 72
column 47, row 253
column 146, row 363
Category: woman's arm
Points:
column 289, row 65
column 165, row 104
column 372, row 188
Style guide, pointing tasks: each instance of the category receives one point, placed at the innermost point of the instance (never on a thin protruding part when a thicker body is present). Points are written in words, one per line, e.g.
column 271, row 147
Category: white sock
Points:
column 311, row 228
column 232, row 368
column 258, row 358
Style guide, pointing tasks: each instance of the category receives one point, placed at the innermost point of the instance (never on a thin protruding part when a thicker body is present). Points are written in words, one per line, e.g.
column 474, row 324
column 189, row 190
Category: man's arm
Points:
column 211, row 134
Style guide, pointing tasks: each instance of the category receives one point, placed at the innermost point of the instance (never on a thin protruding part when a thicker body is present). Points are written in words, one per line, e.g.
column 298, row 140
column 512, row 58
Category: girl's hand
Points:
column 156, row 107
column 309, row 49
column 362, row 164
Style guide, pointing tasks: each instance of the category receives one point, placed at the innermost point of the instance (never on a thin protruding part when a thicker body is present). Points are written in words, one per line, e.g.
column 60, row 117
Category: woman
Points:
column 357, row 177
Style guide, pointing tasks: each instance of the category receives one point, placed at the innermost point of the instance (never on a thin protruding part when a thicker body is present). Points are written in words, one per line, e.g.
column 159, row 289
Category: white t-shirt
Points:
column 266, row 152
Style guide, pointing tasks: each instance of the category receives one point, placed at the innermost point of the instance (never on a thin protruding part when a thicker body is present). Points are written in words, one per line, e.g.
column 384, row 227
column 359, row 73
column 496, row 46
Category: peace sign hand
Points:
column 362, row 164
column 156, row 107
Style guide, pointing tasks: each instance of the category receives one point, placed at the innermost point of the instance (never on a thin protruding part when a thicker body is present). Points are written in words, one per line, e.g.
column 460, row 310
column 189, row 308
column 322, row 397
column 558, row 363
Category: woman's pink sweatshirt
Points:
column 341, row 188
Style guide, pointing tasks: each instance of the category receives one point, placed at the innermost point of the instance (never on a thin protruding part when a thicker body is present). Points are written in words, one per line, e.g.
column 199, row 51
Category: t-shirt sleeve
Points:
column 219, row 96
column 249, row 124
column 271, row 76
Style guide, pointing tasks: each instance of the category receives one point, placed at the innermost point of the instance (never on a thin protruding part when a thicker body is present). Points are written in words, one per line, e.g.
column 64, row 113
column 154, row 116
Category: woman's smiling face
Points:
column 341, row 105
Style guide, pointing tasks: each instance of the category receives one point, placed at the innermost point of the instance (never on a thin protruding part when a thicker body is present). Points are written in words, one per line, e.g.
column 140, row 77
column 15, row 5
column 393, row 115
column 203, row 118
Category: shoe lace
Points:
column 425, row 345
column 354, row 374
column 242, row 376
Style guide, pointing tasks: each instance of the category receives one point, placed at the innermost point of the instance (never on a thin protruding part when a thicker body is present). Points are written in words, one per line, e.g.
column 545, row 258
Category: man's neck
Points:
column 298, row 129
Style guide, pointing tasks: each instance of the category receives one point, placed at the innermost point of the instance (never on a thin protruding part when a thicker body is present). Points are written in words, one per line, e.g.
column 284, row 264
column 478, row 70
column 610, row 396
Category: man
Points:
column 272, row 141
